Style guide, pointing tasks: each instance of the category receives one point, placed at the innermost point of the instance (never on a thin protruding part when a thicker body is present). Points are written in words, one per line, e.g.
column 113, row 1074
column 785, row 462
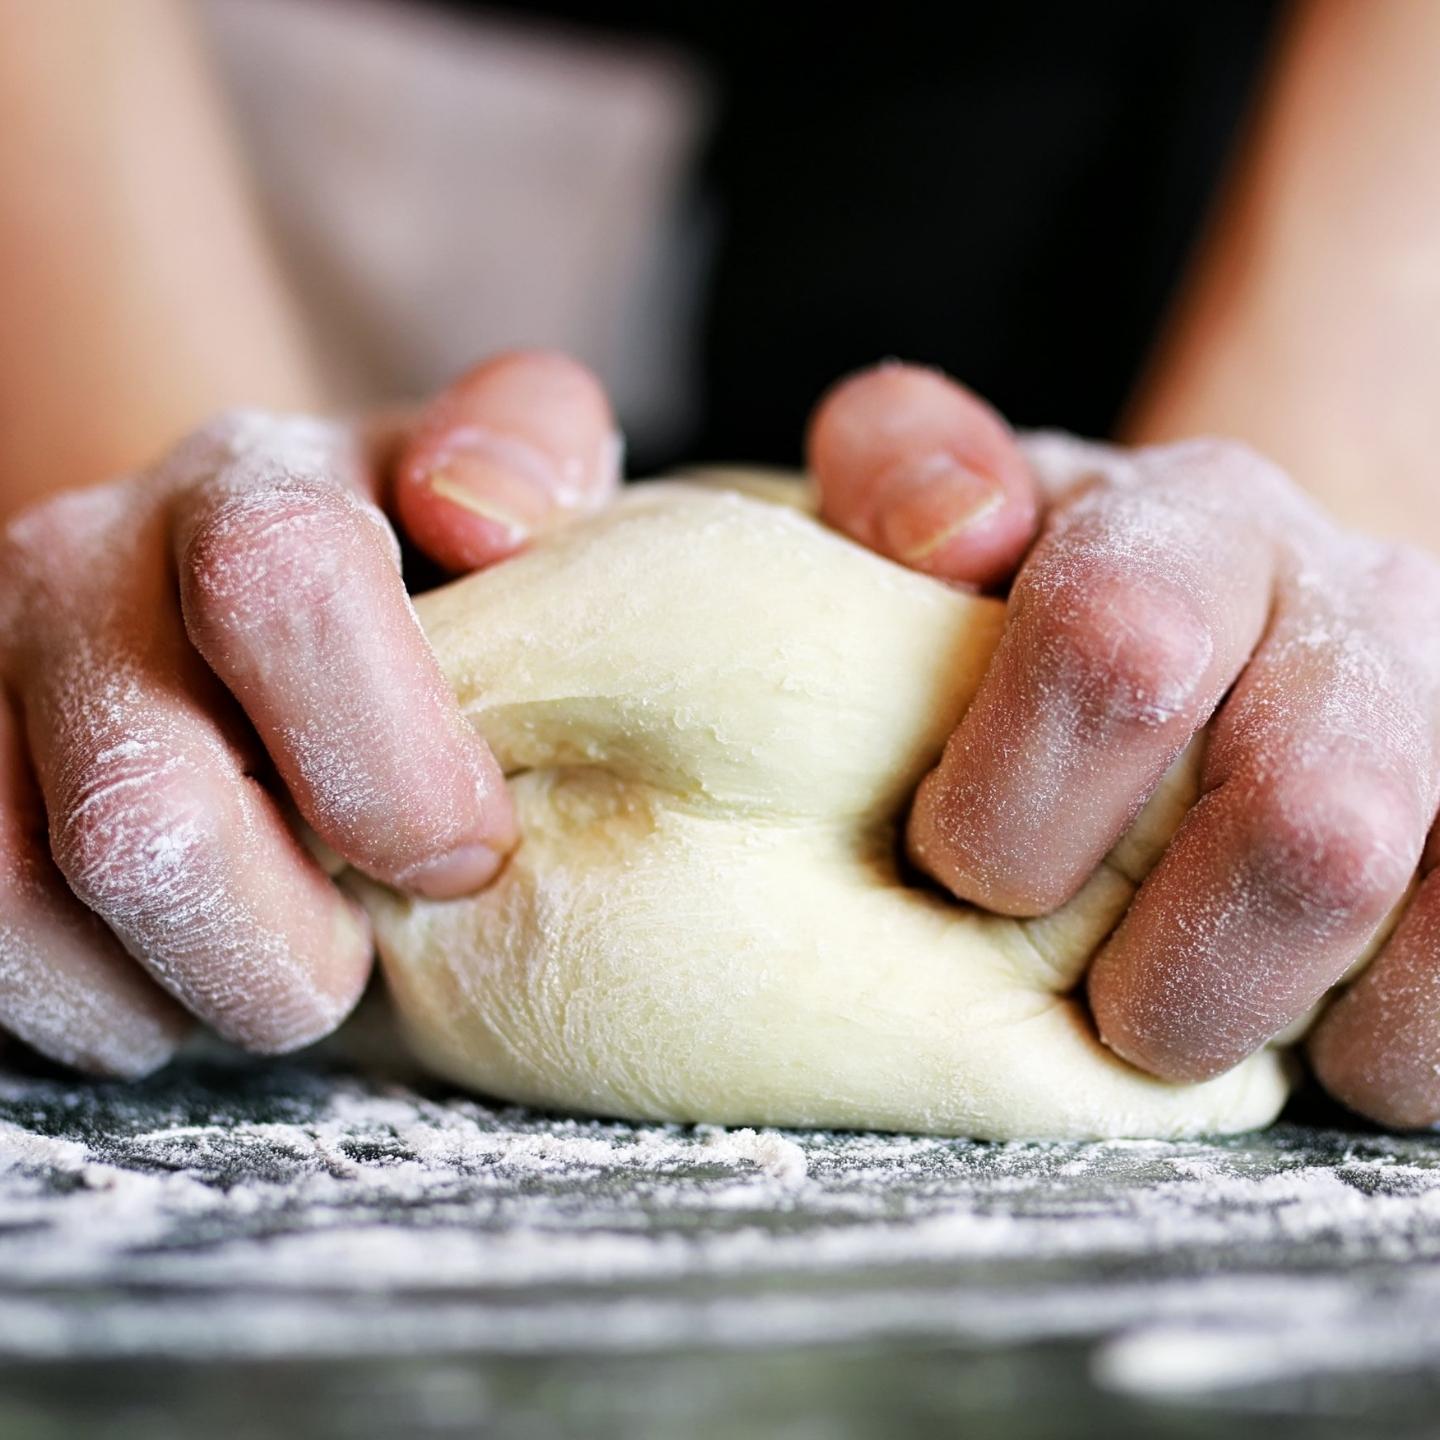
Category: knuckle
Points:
column 246, row 441
column 59, row 528
column 49, row 547
column 1343, row 845
column 1410, row 575
column 263, row 551
column 1122, row 651
column 142, row 832
column 229, row 430
column 129, row 823
column 1222, row 468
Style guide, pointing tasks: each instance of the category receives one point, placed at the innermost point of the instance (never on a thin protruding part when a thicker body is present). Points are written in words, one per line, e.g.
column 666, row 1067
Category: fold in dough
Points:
column 714, row 711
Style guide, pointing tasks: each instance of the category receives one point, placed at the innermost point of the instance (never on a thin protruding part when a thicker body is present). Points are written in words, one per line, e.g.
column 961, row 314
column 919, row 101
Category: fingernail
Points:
column 462, row 872
column 513, row 485
column 924, row 506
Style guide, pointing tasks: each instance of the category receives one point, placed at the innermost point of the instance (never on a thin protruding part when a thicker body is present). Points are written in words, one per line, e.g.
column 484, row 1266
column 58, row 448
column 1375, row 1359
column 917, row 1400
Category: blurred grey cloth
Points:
column 440, row 188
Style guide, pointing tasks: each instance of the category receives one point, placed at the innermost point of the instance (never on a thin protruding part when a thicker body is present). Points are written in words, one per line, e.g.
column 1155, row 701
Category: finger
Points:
column 290, row 591
column 1319, row 785
column 1132, row 616
column 67, row 987
column 913, row 465
column 153, row 818
column 1377, row 1048
column 518, row 445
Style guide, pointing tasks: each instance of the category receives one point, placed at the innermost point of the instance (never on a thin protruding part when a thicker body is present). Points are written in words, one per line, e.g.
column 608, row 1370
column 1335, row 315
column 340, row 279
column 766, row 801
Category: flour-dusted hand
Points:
column 1170, row 589
column 188, row 653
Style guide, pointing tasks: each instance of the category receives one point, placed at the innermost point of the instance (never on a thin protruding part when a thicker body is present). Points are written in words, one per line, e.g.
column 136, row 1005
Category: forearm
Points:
column 135, row 286
column 1310, row 326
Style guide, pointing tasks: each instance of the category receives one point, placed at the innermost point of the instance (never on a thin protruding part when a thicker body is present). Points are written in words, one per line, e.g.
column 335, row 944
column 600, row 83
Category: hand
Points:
column 187, row 653
column 1171, row 588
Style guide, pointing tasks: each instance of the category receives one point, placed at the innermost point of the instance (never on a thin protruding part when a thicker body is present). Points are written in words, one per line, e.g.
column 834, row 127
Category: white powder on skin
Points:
column 152, row 816
column 1321, row 773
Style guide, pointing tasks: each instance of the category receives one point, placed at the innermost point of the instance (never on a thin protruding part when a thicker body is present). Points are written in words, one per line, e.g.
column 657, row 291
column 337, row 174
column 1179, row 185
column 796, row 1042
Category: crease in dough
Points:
column 714, row 711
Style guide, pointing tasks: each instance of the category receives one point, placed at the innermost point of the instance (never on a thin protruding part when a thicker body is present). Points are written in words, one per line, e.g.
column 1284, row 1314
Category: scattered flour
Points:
column 335, row 1216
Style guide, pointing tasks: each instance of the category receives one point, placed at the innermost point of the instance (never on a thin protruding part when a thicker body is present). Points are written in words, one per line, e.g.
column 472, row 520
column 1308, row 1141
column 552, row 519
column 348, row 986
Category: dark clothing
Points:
column 1006, row 190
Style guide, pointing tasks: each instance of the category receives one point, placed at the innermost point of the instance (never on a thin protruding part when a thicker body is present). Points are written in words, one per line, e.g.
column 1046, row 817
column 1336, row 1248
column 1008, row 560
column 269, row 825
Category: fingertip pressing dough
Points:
column 713, row 711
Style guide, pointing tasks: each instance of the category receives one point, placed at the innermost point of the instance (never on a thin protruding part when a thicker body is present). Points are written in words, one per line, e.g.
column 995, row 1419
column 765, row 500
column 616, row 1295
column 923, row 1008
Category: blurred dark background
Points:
column 723, row 208
column 1007, row 191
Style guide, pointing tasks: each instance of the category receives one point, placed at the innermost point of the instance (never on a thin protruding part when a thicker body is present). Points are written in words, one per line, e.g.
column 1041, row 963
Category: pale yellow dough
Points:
column 714, row 711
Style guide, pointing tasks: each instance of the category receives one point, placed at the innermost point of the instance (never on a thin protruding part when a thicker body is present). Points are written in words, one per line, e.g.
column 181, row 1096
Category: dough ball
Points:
column 714, row 711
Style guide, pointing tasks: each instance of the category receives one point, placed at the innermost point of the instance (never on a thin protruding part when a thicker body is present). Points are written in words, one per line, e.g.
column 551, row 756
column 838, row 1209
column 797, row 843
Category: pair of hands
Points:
column 190, row 656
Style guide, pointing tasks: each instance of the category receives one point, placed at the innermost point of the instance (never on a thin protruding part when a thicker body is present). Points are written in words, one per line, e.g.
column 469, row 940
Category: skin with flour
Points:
column 189, row 655
column 1167, row 588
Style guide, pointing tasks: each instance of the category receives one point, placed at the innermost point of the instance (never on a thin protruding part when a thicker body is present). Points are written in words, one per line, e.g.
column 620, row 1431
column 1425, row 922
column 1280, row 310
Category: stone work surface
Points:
column 323, row 1247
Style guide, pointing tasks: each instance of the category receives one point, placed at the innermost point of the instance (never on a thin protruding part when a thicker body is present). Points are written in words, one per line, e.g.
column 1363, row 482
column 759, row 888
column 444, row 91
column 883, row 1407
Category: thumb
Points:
column 515, row 447
column 915, row 466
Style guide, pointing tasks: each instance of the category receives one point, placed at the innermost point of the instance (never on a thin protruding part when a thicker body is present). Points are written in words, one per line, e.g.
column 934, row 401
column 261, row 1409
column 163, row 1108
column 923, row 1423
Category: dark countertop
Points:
column 318, row 1248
